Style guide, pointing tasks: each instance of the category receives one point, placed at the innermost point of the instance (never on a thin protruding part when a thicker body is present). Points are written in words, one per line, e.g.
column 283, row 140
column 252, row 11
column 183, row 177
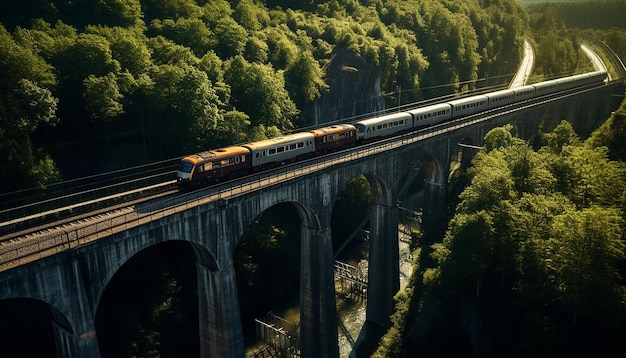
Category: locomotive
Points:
column 226, row 163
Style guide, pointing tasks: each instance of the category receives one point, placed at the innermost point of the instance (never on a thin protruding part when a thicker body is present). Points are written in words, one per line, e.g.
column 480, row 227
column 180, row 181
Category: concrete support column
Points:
column 318, row 311
column 218, row 310
column 70, row 345
column 384, row 269
column 79, row 339
column 433, row 219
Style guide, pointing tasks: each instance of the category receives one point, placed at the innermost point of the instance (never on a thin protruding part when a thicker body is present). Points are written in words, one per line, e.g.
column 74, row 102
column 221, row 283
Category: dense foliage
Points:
column 532, row 262
column 88, row 86
column 558, row 30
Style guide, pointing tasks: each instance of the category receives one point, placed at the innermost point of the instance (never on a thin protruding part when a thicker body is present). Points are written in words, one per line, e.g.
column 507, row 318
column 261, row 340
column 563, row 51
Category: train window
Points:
column 272, row 151
column 185, row 167
column 292, row 146
column 280, row 149
column 300, row 145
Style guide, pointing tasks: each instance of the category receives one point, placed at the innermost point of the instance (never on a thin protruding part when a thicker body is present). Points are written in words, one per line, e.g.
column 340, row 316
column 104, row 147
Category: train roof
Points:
column 337, row 128
column 286, row 139
column 217, row 154
column 500, row 92
column 470, row 99
column 431, row 107
column 388, row 117
column 523, row 88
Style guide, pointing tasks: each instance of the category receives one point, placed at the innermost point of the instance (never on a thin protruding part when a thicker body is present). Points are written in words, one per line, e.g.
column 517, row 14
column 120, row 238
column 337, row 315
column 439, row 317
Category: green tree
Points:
column 498, row 138
column 304, row 79
column 251, row 16
column 259, row 91
column 466, row 250
column 586, row 250
column 562, row 135
column 183, row 105
column 26, row 104
column 611, row 135
column 256, row 50
column 102, row 97
column 165, row 51
column 157, row 9
column 188, row 32
column 231, row 38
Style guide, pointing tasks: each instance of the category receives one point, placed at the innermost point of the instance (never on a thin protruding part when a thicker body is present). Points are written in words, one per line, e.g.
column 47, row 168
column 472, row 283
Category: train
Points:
column 226, row 163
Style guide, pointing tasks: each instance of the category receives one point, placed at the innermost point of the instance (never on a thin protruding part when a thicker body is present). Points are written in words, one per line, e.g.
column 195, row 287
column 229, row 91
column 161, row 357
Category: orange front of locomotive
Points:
column 186, row 170
column 213, row 166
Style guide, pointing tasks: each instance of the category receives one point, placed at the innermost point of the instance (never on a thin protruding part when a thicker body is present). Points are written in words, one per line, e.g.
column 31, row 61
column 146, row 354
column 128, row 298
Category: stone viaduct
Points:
column 71, row 281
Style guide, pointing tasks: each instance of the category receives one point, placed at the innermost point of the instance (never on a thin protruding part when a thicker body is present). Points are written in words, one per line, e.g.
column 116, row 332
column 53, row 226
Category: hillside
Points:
column 532, row 262
column 92, row 86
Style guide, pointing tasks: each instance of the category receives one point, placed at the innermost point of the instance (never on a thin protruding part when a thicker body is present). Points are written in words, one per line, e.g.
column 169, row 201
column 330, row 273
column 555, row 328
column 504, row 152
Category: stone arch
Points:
column 433, row 170
column 318, row 329
column 142, row 276
column 25, row 320
column 465, row 151
column 204, row 256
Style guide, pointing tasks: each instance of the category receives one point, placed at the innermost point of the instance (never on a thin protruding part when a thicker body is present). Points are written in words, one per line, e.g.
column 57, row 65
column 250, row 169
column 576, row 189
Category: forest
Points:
column 532, row 263
column 92, row 86
column 533, row 260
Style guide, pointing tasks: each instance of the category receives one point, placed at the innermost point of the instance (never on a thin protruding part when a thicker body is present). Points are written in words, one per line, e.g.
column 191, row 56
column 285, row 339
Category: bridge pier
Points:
column 70, row 345
column 384, row 270
column 218, row 313
column 318, row 311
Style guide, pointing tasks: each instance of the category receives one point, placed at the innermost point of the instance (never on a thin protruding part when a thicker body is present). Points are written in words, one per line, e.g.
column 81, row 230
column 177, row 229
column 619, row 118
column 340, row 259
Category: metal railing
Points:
column 279, row 334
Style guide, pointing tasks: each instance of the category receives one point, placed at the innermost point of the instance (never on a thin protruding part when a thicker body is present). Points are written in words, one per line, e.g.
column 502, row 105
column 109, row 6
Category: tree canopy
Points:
column 538, row 238
column 90, row 86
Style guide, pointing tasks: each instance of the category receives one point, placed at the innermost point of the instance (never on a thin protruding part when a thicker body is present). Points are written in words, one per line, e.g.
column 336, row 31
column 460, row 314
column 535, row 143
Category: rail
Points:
column 616, row 61
column 40, row 205
column 19, row 251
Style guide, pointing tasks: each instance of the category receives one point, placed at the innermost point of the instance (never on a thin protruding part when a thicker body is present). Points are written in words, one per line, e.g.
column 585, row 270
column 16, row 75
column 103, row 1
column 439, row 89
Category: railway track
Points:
column 32, row 208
